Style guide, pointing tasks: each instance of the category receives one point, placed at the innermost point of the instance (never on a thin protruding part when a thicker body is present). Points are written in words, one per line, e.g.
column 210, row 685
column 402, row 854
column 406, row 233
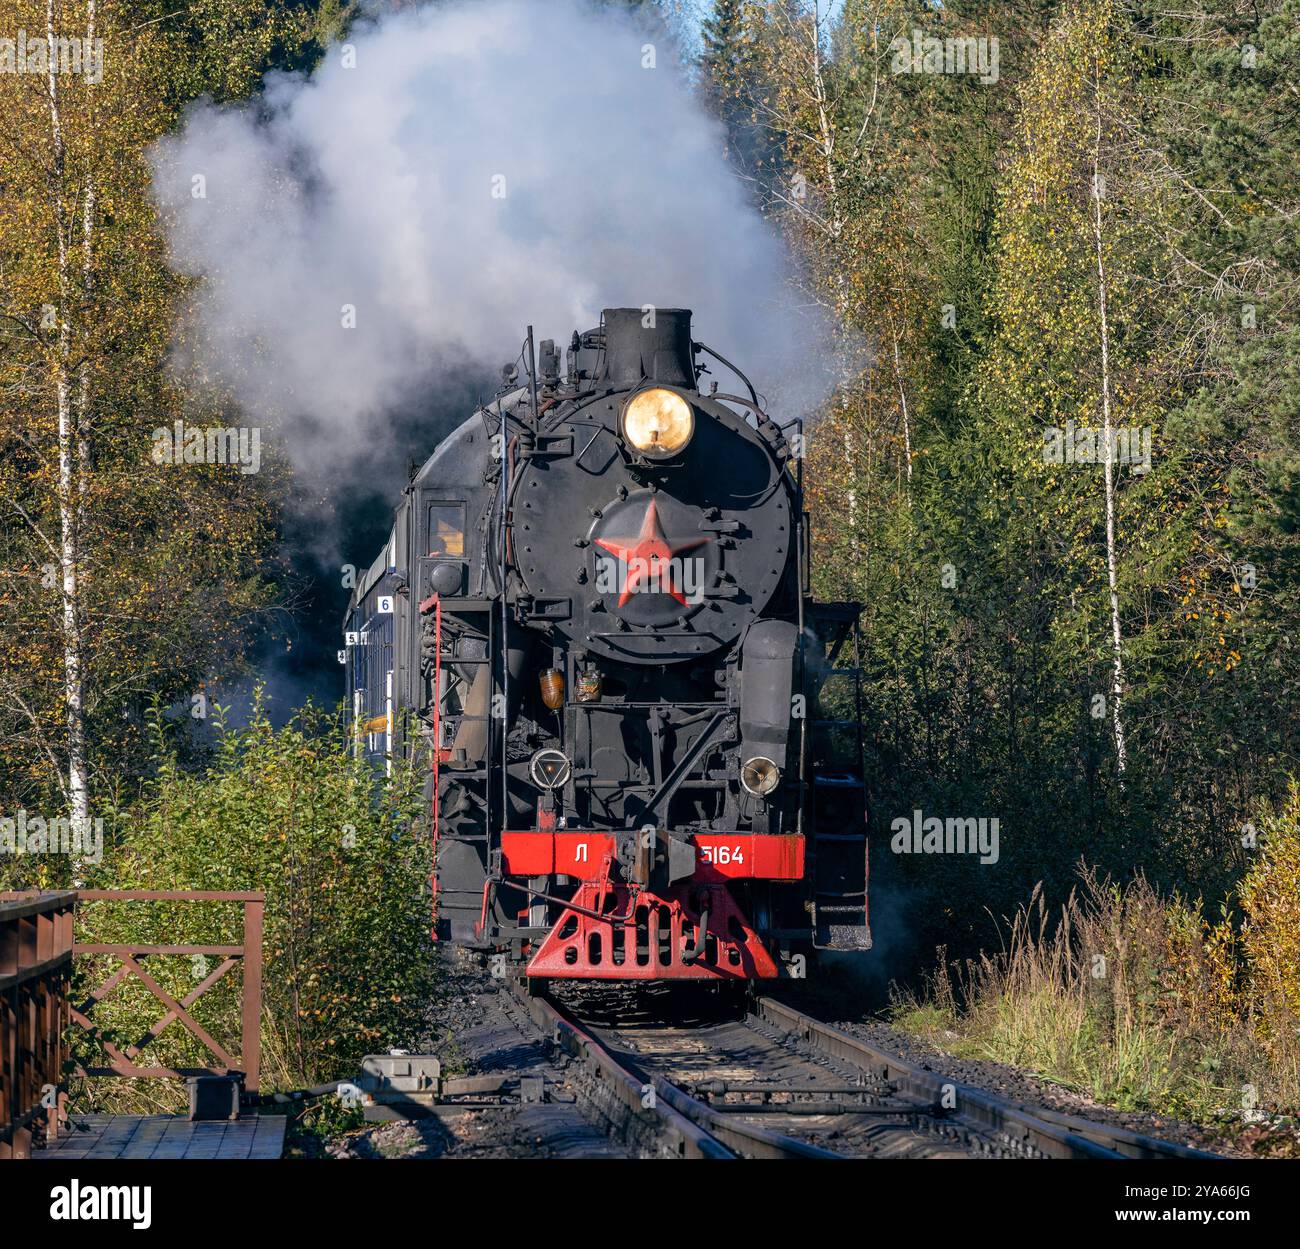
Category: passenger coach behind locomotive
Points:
column 593, row 601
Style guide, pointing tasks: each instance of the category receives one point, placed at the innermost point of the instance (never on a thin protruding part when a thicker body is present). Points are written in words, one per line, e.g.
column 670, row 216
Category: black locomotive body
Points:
column 593, row 615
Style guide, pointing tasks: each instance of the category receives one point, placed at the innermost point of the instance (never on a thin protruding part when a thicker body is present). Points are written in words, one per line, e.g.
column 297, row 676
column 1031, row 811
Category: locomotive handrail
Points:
column 749, row 386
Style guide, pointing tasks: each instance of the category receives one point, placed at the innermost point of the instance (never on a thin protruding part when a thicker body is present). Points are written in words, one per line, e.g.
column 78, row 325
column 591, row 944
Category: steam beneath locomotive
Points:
column 441, row 174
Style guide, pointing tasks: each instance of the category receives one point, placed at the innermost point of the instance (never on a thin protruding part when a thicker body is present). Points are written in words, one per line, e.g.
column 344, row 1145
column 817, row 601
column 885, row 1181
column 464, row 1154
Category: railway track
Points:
column 597, row 1075
column 778, row 1083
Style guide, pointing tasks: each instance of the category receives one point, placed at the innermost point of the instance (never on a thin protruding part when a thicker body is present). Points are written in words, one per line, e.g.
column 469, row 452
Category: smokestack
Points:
column 634, row 353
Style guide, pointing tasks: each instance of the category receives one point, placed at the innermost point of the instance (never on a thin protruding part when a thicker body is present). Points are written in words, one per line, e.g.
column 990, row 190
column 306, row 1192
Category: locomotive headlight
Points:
column 759, row 775
column 658, row 422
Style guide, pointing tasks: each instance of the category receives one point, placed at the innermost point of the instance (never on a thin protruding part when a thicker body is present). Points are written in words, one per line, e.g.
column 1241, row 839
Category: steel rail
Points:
column 625, row 1099
column 743, row 1138
column 704, row 1130
column 1047, row 1131
column 724, row 1126
column 690, row 1127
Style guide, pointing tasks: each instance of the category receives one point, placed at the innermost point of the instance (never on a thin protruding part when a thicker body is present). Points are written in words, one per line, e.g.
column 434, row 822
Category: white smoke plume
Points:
column 453, row 173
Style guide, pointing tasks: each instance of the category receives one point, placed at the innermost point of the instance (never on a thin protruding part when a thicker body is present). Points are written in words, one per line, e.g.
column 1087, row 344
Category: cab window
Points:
column 446, row 529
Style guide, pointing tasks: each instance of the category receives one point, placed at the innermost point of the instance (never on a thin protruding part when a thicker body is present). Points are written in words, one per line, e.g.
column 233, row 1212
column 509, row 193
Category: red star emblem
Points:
column 648, row 555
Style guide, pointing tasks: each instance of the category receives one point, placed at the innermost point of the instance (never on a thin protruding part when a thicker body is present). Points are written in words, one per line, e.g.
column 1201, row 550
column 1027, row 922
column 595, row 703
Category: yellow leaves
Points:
column 1270, row 896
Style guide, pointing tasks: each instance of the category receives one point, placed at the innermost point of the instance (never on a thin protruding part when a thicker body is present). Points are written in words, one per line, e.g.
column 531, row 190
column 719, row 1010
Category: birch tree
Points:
column 120, row 579
column 1075, row 259
column 1107, row 429
column 72, row 439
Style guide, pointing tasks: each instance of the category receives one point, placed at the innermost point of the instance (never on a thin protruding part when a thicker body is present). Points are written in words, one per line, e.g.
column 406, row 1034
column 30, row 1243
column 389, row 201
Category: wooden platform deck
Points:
column 168, row 1136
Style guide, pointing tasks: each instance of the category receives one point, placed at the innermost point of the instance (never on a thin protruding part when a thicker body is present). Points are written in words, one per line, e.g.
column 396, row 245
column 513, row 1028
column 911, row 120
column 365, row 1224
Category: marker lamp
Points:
column 759, row 776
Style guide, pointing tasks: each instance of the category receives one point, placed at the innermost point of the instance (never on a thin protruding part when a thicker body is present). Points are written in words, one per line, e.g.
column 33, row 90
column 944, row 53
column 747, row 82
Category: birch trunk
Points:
column 1112, row 577
column 902, row 399
column 73, row 678
column 824, row 124
column 87, row 282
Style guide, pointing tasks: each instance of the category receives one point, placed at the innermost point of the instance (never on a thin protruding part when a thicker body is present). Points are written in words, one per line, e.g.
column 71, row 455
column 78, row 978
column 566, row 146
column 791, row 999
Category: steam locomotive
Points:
column 593, row 615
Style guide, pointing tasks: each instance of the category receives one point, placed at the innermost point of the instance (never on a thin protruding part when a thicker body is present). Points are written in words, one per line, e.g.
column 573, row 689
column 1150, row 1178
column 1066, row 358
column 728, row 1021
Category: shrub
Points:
column 344, row 861
column 1270, row 898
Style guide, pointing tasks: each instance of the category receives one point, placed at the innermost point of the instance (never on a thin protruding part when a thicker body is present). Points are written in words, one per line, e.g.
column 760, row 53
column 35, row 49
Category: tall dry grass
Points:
column 1141, row 1001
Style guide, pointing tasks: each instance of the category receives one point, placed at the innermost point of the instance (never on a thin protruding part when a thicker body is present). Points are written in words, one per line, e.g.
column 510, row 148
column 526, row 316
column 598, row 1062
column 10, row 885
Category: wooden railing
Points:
column 35, row 969
column 35, row 989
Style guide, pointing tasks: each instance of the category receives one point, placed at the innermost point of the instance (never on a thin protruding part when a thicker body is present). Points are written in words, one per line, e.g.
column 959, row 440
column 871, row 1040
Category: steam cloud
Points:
column 372, row 186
